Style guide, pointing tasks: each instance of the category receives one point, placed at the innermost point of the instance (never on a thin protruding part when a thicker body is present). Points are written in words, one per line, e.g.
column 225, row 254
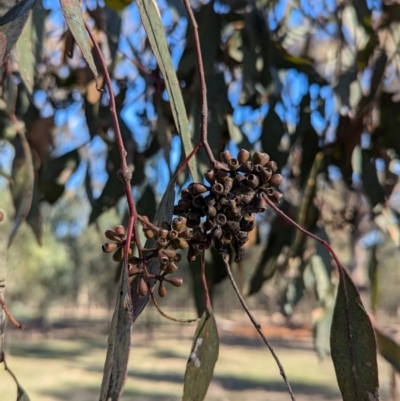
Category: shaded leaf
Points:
column 370, row 182
column 388, row 347
column 202, row 359
column 72, row 12
column 11, row 26
column 152, row 23
column 119, row 341
column 353, row 345
column 22, row 395
column 147, row 203
column 164, row 213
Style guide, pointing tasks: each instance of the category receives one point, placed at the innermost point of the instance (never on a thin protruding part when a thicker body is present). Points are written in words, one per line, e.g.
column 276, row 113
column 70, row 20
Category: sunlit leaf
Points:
column 11, row 25
column 119, row 341
column 150, row 16
column 353, row 345
column 202, row 358
column 72, row 12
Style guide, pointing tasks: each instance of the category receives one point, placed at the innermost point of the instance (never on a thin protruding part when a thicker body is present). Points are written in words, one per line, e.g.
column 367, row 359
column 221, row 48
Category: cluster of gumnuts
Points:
column 223, row 213
column 220, row 213
column 166, row 238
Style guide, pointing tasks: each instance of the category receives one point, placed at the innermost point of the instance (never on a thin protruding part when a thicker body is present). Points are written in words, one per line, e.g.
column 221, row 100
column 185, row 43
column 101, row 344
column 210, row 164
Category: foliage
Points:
column 314, row 86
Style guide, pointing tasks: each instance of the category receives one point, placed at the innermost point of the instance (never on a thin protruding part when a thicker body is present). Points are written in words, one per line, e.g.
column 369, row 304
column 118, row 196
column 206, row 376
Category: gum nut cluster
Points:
column 237, row 192
column 117, row 235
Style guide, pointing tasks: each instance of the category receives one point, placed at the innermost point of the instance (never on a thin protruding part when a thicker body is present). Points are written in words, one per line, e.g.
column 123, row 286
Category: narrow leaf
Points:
column 353, row 345
column 388, row 347
column 11, row 26
column 202, row 359
column 119, row 342
column 152, row 24
column 21, row 393
column 73, row 15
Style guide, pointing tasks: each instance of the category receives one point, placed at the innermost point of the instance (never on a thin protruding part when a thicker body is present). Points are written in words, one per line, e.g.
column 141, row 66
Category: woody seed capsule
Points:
column 142, row 288
column 198, row 189
column 184, row 203
column 165, row 226
column 276, row 180
column 265, row 175
column 186, row 234
column 209, row 175
column 246, row 167
column 243, row 156
column 198, row 201
column 162, row 242
column 217, row 165
column 112, row 235
column 272, row 165
column 162, row 291
column 120, row 231
column 218, row 188
column 148, row 232
column 221, row 176
column 225, row 156
column 176, row 281
column 260, row 158
column 171, row 268
column 252, row 181
column 118, row 254
column 109, row 247
column 221, row 219
column 233, row 164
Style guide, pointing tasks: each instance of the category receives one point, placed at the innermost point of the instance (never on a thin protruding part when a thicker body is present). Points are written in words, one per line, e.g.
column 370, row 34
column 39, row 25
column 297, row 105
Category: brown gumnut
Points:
column 234, row 212
column 162, row 291
column 272, row 165
column 185, row 204
column 118, row 255
column 197, row 188
column 1, row 217
column 162, row 242
column 112, row 235
column 260, row 204
column 211, row 211
column 252, row 181
column 265, row 174
column 162, row 233
column 142, row 288
column 221, row 219
column 247, row 195
column 210, row 199
column 191, row 255
column 173, row 234
column 163, row 260
column 226, row 238
column 276, row 180
column 233, row 226
column 260, row 158
column 225, row 156
column 209, row 175
column 165, row 225
column 217, row 165
column 148, row 232
column 193, row 219
column 182, row 244
column 120, row 231
column 208, row 225
column 238, row 179
column 246, row 167
column 171, row 268
column 178, row 210
column 187, row 234
column 274, row 195
column 176, row 281
column 247, row 223
column 109, row 247
column 221, row 176
column 216, row 233
column 228, row 184
column 233, row 164
column 198, row 201
column 243, row 155
column 178, row 223
column 218, row 188
column 200, row 246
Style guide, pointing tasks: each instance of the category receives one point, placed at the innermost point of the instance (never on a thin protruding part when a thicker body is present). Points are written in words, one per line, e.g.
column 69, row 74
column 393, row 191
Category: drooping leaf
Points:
column 11, row 25
column 164, row 213
column 72, row 12
column 119, row 341
column 353, row 345
column 56, row 173
column 388, row 347
column 22, row 395
column 202, row 358
column 152, row 23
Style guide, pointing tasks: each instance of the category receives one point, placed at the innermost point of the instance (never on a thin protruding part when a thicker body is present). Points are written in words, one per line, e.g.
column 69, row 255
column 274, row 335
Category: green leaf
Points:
column 22, row 395
column 11, row 26
column 152, row 23
column 72, row 12
column 164, row 213
column 353, row 345
column 388, row 347
column 119, row 342
column 202, row 359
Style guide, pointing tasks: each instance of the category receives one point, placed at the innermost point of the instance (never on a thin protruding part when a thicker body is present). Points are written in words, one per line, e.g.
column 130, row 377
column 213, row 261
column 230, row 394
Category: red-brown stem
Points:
column 9, row 315
column 204, row 281
column 124, row 173
column 202, row 82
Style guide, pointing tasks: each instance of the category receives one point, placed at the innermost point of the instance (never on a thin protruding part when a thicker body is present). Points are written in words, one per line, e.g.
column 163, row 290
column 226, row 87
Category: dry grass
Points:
column 67, row 366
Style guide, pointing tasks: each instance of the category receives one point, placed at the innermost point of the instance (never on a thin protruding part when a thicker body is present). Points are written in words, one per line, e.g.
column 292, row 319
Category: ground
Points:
column 67, row 364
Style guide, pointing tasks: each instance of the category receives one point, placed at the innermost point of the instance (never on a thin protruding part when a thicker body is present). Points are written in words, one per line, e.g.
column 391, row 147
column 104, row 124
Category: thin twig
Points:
column 202, row 82
column 162, row 313
column 9, row 315
column 225, row 258
column 124, row 173
column 204, row 281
